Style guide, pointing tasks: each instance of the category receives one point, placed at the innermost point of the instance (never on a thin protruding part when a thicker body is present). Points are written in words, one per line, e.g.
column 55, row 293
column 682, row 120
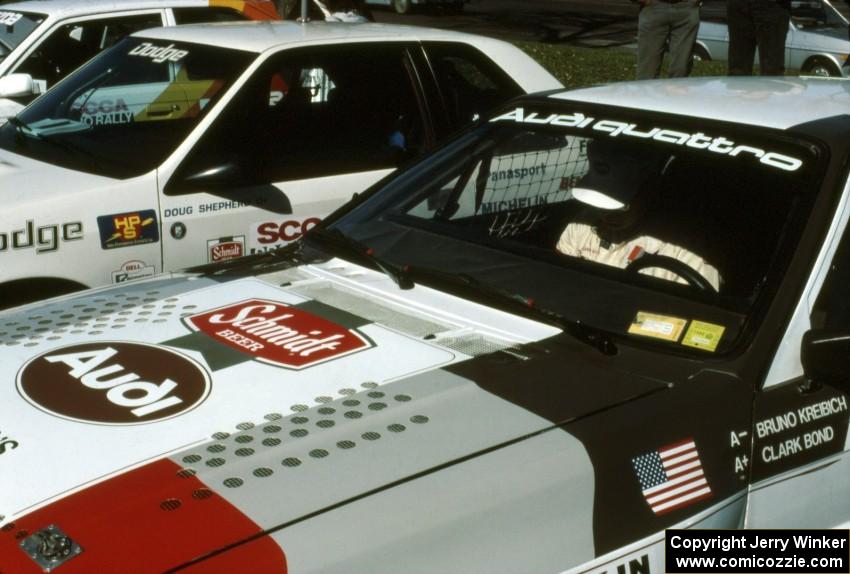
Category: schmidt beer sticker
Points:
column 113, row 383
column 278, row 334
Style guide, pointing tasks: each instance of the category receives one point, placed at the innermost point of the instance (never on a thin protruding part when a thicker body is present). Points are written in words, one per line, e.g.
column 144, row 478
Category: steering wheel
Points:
column 686, row 272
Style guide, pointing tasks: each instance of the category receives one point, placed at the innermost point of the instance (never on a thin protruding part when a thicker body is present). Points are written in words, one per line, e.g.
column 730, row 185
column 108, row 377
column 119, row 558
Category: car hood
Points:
column 24, row 180
column 191, row 415
column 834, row 36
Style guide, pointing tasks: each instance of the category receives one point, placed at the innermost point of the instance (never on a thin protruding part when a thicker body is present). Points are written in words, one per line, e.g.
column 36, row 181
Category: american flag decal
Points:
column 672, row 477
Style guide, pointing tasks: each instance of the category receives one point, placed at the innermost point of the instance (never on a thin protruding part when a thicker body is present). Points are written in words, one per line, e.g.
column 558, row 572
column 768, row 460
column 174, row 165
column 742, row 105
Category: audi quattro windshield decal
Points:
column 700, row 141
column 274, row 333
column 128, row 229
column 671, row 477
column 113, row 383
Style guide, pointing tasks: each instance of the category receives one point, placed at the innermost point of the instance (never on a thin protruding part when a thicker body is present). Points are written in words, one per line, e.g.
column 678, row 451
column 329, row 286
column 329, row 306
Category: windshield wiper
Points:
column 596, row 338
column 21, row 125
column 398, row 275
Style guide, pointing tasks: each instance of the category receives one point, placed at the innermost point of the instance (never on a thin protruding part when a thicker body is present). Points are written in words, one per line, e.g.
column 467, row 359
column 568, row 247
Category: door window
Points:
column 69, row 45
column 204, row 14
column 322, row 112
column 832, row 307
column 470, row 83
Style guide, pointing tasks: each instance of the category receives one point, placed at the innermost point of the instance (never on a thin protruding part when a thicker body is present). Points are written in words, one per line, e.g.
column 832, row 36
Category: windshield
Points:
column 816, row 14
column 631, row 225
column 15, row 27
column 124, row 112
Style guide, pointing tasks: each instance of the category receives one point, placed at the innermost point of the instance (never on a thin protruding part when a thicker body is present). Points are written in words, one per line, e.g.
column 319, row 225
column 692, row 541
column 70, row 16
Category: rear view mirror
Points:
column 17, row 86
column 825, row 356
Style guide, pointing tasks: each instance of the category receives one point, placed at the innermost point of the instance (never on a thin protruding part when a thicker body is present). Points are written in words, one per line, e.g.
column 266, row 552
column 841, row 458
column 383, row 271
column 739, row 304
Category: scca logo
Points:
column 268, row 233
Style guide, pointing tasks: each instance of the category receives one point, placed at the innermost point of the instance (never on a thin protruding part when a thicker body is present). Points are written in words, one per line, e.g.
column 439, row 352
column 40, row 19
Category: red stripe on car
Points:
column 151, row 519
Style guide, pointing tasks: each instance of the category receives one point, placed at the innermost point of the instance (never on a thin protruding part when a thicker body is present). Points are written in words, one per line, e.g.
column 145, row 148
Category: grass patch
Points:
column 578, row 67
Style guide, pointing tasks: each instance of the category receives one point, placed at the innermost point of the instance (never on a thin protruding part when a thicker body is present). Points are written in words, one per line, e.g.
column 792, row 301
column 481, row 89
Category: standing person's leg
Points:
column 683, row 35
column 771, row 19
column 742, row 37
column 653, row 28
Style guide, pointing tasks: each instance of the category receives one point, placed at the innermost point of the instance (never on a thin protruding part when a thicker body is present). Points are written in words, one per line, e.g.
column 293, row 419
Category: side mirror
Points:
column 17, row 86
column 232, row 182
column 825, row 355
column 223, row 176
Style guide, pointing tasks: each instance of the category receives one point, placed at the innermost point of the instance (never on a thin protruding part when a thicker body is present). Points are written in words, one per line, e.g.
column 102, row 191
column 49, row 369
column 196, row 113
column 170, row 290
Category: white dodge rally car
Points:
column 480, row 365
column 42, row 42
column 201, row 143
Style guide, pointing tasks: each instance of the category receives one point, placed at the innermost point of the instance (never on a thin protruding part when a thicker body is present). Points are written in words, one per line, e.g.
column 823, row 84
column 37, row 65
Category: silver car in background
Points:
column 817, row 43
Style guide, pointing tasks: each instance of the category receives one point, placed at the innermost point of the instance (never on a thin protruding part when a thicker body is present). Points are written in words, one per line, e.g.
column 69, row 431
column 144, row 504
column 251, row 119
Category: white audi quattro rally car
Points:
column 195, row 144
column 42, row 42
column 432, row 381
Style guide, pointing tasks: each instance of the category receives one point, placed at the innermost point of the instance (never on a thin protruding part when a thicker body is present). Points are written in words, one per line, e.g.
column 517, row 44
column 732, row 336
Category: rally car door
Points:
column 800, row 463
column 309, row 129
column 71, row 42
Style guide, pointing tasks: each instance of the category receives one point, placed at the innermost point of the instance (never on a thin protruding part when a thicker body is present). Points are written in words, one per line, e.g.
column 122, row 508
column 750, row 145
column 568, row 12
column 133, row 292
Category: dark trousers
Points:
column 661, row 24
column 761, row 24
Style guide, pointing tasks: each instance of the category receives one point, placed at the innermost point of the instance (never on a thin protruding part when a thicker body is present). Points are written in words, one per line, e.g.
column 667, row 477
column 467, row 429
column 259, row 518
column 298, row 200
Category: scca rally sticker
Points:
column 128, row 229
column 113, row 383
column 278, row 334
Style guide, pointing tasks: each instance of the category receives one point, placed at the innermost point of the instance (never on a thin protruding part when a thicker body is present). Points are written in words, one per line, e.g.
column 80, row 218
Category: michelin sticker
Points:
column 113, row 383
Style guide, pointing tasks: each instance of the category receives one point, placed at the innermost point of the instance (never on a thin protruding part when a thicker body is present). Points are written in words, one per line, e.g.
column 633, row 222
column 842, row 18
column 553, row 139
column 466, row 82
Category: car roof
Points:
column 71, row 8
column 779, row 103
column 261, row 36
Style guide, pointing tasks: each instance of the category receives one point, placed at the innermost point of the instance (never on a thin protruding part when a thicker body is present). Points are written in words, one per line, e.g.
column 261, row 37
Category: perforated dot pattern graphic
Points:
column 94, row 315
column 253, row 451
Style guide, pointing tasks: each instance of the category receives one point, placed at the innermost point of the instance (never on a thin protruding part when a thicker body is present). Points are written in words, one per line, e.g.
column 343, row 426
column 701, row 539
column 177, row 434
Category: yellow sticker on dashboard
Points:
column 657, row 326
column 703, row 335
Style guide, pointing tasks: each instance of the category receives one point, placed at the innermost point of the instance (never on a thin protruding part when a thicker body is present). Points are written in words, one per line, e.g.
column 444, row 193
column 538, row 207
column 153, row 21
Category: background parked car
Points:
column 405, row 6
column 42, row 42
column 200, row 143
column 817, row 42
